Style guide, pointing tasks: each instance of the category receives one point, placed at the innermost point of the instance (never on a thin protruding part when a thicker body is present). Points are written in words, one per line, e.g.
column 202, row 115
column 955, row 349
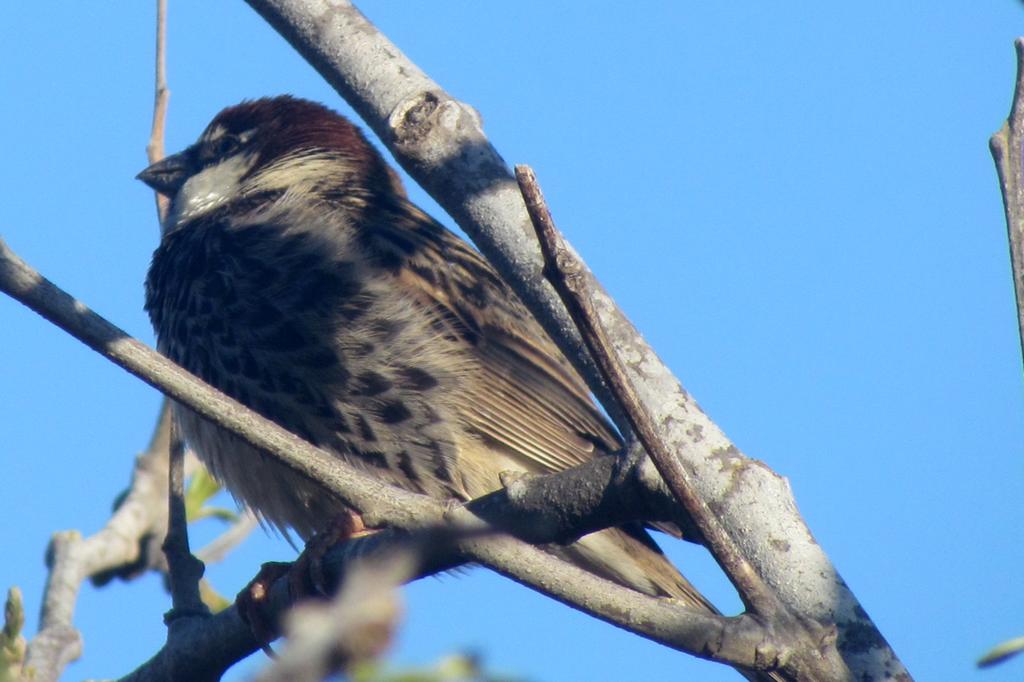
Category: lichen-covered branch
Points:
column 440, row 142
column 564, row 269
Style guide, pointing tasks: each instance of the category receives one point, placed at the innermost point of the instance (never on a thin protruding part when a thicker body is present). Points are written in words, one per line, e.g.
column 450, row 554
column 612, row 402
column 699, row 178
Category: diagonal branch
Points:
column 567, row 273
column 439, row 141
column 738, row 640
column 23, row 283
column 564, row 269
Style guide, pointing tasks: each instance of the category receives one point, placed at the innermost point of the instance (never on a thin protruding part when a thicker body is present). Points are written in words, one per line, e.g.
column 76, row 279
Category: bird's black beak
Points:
column 168, row 175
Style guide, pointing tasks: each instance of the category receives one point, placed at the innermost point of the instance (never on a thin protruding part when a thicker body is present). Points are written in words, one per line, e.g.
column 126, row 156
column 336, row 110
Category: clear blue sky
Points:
column 795, row 203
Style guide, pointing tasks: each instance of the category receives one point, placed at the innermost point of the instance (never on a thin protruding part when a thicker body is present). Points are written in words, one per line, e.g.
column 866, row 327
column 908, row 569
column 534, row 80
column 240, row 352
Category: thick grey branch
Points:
column 439, row 141
column 564, row 269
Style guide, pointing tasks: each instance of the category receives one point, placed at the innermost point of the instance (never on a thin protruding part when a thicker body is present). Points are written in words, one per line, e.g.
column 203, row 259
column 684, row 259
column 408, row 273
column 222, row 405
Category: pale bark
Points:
column 440, row 143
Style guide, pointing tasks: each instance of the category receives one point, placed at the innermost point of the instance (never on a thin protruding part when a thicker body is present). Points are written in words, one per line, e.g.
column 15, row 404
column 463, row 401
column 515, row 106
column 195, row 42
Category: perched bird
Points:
column 294, row 275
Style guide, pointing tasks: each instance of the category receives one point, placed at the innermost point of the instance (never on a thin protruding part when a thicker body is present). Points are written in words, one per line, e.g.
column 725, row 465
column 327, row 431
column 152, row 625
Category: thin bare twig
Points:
column 184, row 570
column 155, row 148
column 565, row 271
column 206, row 651
column 568, row 275
column 1009, row 159
column 126, row 540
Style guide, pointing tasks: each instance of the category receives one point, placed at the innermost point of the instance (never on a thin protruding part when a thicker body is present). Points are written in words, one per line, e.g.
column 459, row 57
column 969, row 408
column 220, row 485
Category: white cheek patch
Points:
column 208, row 189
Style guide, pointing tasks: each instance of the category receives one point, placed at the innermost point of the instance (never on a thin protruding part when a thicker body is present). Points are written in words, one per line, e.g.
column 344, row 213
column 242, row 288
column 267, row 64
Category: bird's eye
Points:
column 215, row 150
column 225, row 146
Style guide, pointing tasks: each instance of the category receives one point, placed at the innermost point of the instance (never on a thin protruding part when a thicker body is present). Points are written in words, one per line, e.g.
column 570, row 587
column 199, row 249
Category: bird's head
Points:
column 263, row 148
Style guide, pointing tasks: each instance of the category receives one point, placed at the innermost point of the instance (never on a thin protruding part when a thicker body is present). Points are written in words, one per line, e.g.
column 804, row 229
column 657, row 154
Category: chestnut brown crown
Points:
column 267, row 134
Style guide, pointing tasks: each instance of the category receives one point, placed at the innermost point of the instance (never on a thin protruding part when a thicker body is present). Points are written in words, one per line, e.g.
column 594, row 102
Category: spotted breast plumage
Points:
column 295, row 275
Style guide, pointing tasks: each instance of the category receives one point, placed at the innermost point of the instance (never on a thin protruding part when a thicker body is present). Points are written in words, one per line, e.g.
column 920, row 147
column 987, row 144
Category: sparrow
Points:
column 294, row 274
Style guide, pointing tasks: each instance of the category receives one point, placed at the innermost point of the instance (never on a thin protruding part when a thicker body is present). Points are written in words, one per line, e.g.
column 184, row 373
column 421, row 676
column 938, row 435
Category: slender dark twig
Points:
column 183, row 568
column 569, row 278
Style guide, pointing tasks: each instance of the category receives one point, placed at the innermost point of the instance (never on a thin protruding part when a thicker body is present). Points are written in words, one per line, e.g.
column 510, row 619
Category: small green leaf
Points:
column 201, row 487
column 1002, row 652
column 454, row 668
column 225, row 515
column 213, row 599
